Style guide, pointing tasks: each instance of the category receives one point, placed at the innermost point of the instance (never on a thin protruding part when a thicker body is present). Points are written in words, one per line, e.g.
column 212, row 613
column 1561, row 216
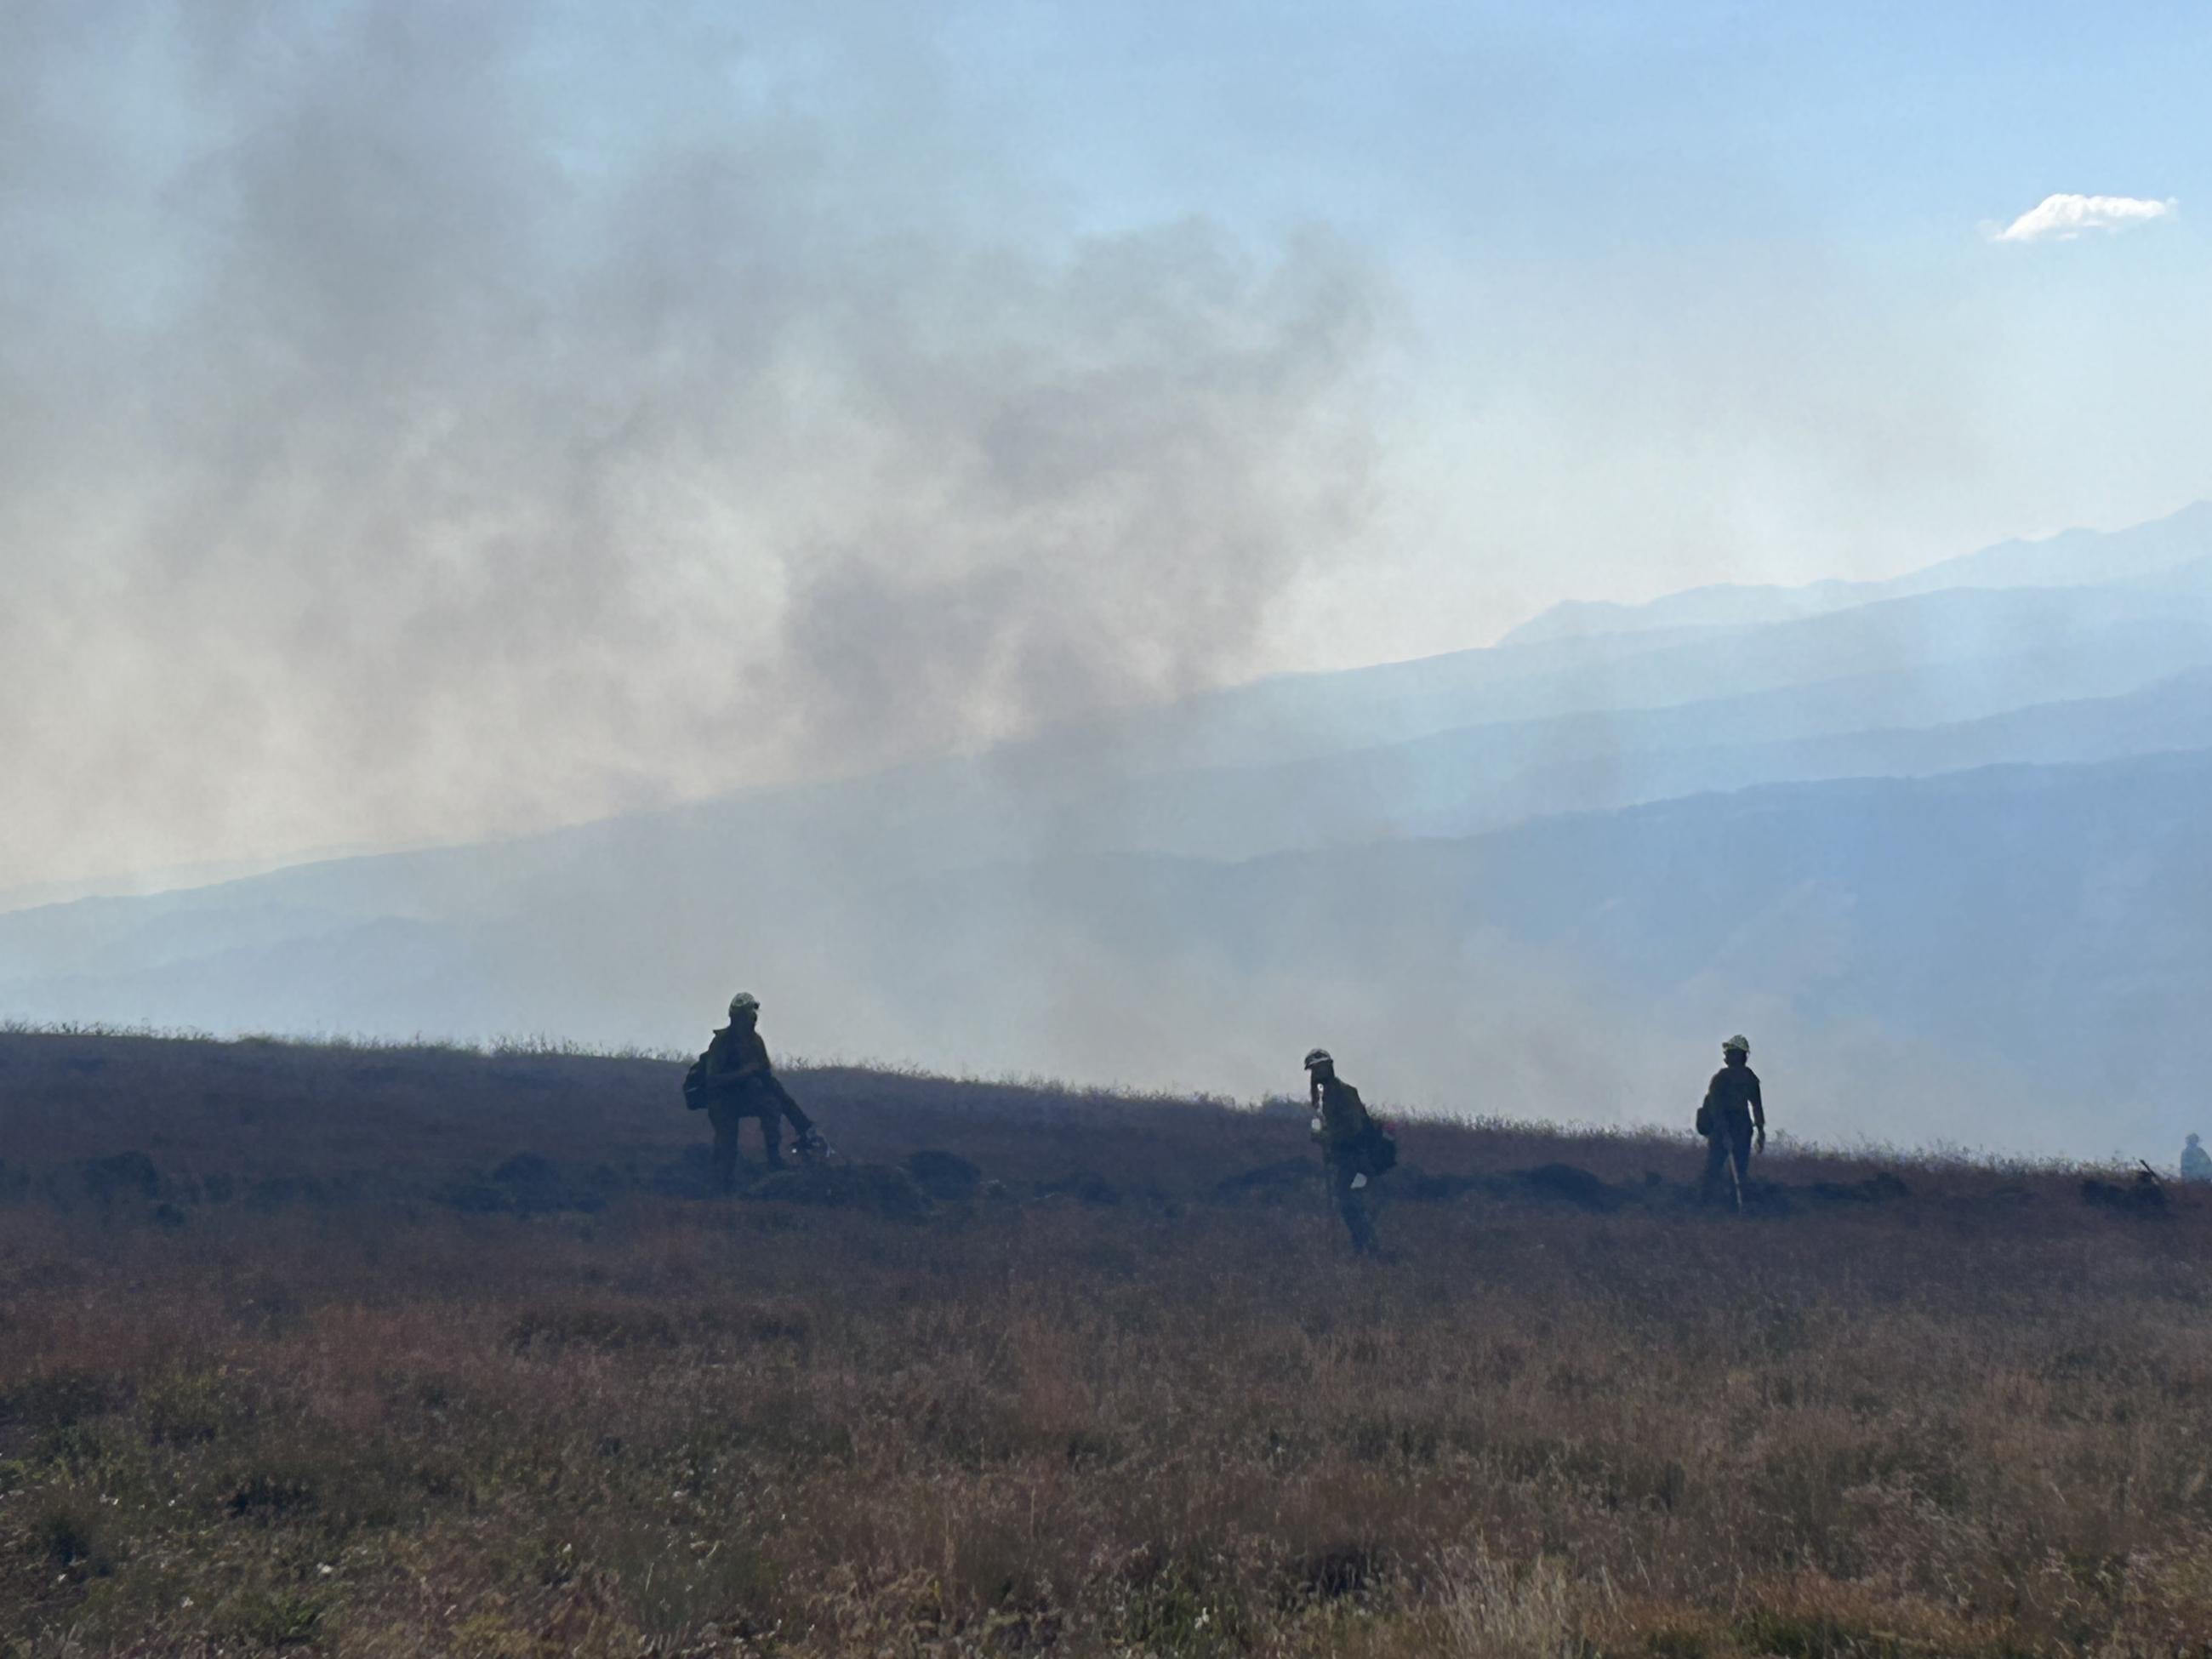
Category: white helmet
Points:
column 744, row 1003
column 1737, row 1045
column 1318, row 1057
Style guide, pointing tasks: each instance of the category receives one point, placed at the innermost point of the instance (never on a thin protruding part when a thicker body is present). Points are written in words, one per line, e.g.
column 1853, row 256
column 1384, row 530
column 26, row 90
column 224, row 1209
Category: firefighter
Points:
column 739, row 1081
column 1733, row 1119
column 1343, row 1129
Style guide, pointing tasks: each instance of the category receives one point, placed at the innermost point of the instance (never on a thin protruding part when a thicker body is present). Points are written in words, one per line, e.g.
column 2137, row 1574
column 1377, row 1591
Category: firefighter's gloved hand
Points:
column 1358, row 1181
column 1316, row 1126
column 1759, row 1141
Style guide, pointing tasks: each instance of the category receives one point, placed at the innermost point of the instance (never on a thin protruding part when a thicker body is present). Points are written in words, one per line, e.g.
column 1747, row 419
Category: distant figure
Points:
column 1732, row 1115
column 1342, row 1126
column 2196, row 1161
column 738, row 1082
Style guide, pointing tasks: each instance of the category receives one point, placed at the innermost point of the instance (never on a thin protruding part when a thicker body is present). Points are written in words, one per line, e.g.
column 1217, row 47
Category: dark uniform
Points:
column 1732, row 1110
column 742, row 1084
column 1343, row 1133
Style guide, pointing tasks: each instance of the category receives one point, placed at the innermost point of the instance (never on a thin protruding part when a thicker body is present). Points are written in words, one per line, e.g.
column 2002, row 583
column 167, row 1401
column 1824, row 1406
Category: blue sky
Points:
column 1571, row 131
column 648, row 373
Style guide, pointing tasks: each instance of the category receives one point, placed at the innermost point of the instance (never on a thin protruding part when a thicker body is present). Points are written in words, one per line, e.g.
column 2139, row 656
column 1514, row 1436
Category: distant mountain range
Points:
column 1940, row 840
column 2075, row 558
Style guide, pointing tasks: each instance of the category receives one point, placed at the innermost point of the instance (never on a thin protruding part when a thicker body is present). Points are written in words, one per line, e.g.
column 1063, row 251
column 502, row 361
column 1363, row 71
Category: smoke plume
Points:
column 424, row 422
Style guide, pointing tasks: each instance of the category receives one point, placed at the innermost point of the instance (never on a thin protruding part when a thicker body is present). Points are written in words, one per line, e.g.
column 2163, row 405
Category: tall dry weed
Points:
column 1489, row 1608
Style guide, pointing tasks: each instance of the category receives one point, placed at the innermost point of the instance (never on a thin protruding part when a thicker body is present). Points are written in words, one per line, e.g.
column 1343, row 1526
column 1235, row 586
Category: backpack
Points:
column 695, row 1085
column 1378, row 1150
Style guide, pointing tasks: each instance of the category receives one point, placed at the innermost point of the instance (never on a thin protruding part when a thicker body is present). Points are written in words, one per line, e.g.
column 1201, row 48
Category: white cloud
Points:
column 2065, row 217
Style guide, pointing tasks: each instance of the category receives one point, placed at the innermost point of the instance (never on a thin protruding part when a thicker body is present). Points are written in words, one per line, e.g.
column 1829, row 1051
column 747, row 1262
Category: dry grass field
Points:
column 417, row 1351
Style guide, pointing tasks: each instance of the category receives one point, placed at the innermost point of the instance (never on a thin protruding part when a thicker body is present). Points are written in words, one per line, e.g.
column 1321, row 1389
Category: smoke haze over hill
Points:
column 469, row 451
column 424, row 422
column 1533, row 880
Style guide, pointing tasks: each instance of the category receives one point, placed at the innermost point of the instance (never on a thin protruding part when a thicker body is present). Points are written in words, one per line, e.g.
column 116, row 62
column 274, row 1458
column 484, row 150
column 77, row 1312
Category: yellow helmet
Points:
column 1737, row 1045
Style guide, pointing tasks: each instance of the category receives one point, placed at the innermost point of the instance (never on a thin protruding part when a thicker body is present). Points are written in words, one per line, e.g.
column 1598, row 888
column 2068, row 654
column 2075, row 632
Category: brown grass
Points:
column 335, row 1383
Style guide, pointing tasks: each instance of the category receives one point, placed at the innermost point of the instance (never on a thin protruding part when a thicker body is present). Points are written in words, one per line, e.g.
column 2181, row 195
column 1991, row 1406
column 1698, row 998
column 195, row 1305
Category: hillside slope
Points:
column 414, row 1351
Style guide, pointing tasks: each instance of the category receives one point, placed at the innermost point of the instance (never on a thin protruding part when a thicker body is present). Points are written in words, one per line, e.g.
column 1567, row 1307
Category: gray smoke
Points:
column 420, row 420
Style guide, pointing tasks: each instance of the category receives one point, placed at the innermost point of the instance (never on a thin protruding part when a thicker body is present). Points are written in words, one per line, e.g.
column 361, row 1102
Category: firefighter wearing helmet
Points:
column 1733, row 1120
column 735, row 1080
column 1344, row 1132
